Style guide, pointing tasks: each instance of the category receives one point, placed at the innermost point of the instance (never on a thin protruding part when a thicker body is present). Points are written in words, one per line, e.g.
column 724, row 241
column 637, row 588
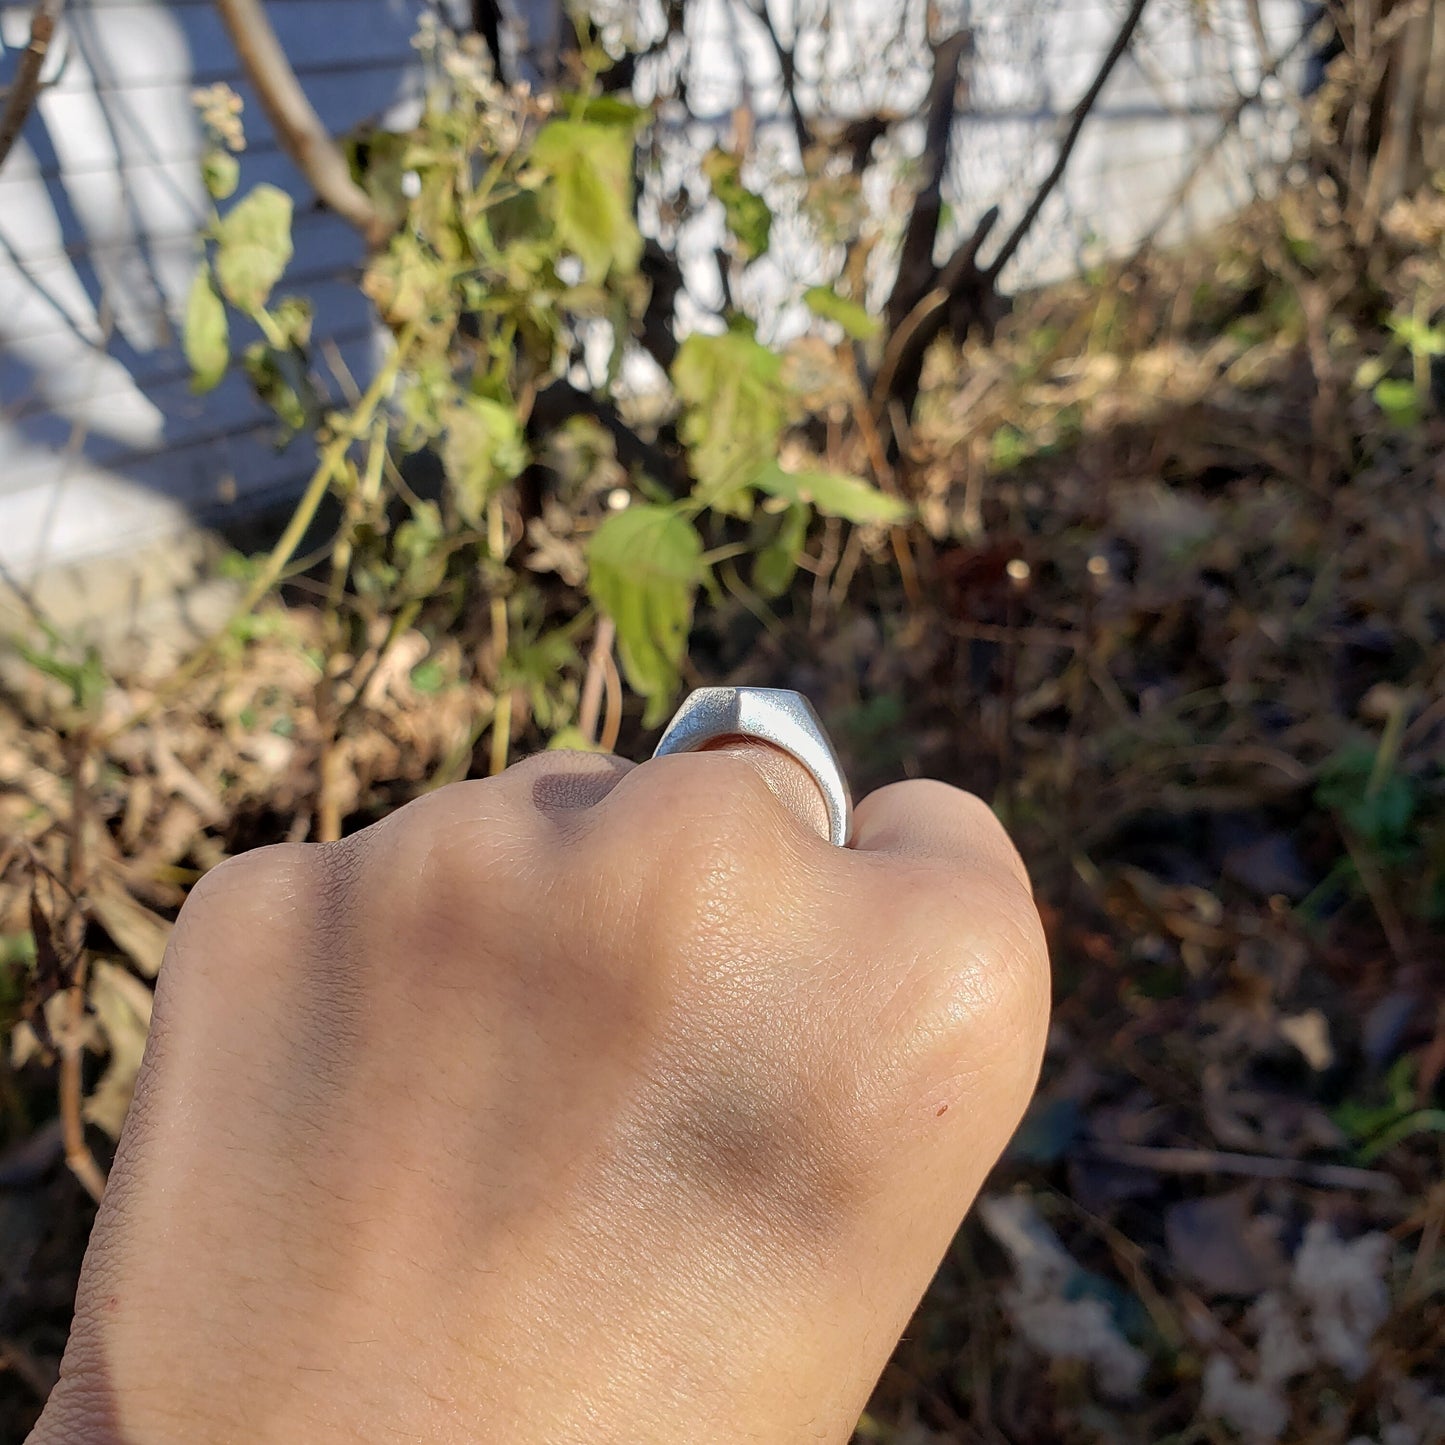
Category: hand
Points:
column 588, row 1103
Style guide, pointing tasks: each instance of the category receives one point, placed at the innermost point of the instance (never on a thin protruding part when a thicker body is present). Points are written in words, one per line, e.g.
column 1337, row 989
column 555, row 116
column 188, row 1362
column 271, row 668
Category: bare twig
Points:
column 1205, row 153
column 916, row 273
column 1409, row 63
column 903, row 357
column 590, row 709
column 299, row 129
column 502, row 709
column 26, row 85
column 612, row 719
column 873, row 445
column 1377, row 890
column 788, row 68
column 77, row 1151
column 1252, row 1166
column 38, row 1377
column 1071, row 137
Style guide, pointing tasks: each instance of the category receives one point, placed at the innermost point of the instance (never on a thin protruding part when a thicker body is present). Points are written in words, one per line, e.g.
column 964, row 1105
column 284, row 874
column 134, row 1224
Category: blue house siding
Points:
column 102, row 444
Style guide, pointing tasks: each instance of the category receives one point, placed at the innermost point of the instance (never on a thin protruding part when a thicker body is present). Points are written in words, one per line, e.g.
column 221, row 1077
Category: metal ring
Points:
column 772, row 715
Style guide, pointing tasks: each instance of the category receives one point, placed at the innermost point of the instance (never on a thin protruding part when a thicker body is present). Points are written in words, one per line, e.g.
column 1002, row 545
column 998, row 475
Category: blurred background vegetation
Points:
column 1149, row 556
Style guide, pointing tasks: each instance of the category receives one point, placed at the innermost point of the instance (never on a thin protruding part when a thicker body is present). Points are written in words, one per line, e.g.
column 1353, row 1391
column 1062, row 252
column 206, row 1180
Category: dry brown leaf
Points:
column 1219, row 1243
column 122, row 1005
column 138, row 932
column 1309, row 1032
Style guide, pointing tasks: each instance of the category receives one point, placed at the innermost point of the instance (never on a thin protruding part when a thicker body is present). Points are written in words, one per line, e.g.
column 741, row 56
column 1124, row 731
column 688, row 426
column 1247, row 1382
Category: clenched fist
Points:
column 587, row 1103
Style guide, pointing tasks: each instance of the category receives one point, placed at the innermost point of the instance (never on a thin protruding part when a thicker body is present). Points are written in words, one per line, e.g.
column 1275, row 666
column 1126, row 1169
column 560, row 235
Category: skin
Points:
column 588, row 1103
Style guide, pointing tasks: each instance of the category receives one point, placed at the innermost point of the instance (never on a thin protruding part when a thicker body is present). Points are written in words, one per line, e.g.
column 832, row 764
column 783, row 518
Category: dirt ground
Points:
column 1181, row 617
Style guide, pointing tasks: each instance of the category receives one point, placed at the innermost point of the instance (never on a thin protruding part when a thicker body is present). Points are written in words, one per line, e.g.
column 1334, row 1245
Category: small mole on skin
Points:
column 939, row 1112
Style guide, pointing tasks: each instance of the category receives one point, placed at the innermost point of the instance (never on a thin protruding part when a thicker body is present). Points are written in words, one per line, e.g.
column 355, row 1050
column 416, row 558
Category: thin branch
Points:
column 788, row 67
column 77, row 1152
column 487, row 22
column 26, row 86
column 590, row 710
column 1249, row 1166
column 612, row 719
column 1206, row 153
column 1071, row 138
column 903, row 359
column 915, row 256
column 299, row 129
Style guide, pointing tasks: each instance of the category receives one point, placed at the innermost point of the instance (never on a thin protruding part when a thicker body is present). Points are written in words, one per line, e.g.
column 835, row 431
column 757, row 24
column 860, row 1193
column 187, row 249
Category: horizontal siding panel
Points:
column 24, row 403
column 128, row 46
column 125, row 416
column 101, row 200
column 340, row 309
column 204, row 471
column 344, row 100
column 323, row 241
column 189, row 421
column 333, row 294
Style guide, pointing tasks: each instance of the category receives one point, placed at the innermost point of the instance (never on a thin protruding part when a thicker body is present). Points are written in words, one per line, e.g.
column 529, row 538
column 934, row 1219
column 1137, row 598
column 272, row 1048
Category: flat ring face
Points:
column 772, row 715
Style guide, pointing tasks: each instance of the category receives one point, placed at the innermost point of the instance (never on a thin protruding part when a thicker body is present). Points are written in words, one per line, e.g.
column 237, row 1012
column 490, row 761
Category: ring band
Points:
column 772, row 715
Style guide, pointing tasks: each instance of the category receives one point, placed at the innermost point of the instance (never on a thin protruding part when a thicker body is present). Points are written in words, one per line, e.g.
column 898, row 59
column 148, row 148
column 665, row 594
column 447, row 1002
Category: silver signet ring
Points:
column 772, row 715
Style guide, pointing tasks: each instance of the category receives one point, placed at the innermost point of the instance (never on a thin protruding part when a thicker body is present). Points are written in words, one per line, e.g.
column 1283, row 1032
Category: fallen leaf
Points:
column 1219, row 1243
column 123, row 1006
column 139, row 933
column 1309, row 1032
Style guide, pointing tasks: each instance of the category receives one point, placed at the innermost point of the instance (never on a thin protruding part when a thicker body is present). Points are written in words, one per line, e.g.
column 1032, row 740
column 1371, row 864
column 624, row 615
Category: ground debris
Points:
column 1185, row 629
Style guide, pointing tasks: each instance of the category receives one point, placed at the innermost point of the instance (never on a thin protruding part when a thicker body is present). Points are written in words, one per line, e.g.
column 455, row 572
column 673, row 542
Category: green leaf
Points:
column 221, row 171
column 420, row 551
column 833, row 494
column 483, row 450
column 428, row 676
column 776, row 564
column 253, row 246
column 1422, row 338
column 1369, row 372
column 588, row 194
column 291, row 317
column 1399, row 401
column 281, row 382
column 605, row 110
column 745, row 212
column 86, row 679
column 1380, row 809
column 734, row 408
column 544, row 667
column 573, row 739
column 645, row 564
column 826, row 303
column 207, row 335
column 1007, row 449
column 406, row 282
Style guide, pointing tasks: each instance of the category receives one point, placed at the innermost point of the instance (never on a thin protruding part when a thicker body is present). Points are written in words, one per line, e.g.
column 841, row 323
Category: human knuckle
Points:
column 452, row 855
column 981, row 981
column 247, row 896
column 702, row 812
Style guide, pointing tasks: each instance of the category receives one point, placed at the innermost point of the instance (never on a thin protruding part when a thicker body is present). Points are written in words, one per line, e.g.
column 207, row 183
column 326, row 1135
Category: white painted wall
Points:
column 102, row 445
column 1156, row 122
